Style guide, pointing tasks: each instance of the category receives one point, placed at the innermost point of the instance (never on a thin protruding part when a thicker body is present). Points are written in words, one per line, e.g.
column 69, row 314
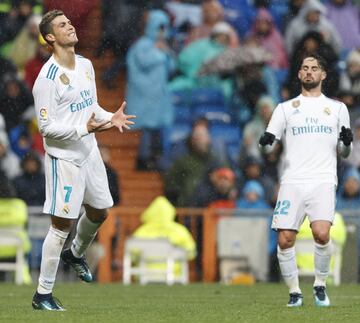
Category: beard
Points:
column 310, row 85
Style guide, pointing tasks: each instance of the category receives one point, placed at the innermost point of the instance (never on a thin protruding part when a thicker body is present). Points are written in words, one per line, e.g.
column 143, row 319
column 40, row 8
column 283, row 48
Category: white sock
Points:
column 288, row 268
column 51, row 250
column 322, row 257
column 85, row 233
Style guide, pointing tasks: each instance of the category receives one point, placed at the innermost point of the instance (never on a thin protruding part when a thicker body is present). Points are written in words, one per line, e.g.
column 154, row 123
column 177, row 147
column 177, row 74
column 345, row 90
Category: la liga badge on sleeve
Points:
column 43, row 114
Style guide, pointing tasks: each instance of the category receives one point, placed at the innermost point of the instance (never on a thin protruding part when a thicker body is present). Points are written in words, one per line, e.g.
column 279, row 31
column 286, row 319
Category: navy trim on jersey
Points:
column 52, row 72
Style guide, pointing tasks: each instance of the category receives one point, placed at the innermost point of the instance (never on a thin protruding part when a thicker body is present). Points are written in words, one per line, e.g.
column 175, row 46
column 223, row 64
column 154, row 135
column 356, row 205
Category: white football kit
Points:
column 310, row 128
column 75, row 173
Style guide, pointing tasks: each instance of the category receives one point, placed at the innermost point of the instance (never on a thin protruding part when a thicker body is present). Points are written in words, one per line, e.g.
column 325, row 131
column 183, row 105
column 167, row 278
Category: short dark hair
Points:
column 321, row 61
column 45, row 24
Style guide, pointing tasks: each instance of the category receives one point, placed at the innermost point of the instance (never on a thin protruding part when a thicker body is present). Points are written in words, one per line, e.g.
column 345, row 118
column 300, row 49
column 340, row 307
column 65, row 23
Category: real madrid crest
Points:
column 64, row 79
column 295, row 104
column 87, row 75
column 327, row 110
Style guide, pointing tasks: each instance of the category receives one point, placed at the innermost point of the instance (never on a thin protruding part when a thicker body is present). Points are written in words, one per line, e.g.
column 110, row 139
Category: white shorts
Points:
column 295, row 201
column 68, row 186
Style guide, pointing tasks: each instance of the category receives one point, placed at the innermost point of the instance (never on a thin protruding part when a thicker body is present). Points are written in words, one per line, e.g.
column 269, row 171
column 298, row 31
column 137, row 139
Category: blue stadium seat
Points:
column 226, row 141
column 183, row 114
column 207, row 97
column 213, row 113
column 181, row 98
column 174, row 143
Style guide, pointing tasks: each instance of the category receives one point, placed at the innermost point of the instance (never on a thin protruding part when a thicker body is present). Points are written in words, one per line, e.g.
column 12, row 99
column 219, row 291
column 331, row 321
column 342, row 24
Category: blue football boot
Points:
column 295, row 300
column 321, row 298
column 78, row 264
column 46, row 302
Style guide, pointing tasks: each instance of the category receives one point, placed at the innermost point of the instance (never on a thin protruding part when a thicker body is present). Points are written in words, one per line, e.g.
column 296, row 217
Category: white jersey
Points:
column 311, row 126
column 64, row 102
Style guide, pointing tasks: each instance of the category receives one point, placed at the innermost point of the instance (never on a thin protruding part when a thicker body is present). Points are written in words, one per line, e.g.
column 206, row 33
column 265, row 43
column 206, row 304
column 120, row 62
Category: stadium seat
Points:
column 154, row 261
column 226, row 142
column 181, row 98
column 213, row 113
column 207, row 97
column 307, row 246
column 183, row 114
column 178, row 132
column 12, row 238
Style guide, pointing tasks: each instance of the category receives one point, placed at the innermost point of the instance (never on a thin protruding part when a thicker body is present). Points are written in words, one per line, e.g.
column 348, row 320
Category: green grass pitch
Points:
column 193, row 303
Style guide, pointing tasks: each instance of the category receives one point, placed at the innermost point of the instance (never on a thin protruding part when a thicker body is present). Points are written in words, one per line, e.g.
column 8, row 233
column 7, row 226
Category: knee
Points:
column 286, row 241
column 321, row 236
column 61, row 224
column 97, row 216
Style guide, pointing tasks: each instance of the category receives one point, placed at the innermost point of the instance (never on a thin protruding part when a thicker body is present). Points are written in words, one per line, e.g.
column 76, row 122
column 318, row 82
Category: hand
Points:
column 346, row 136
column 94, row 126
column 266, row 139
column 120, row 119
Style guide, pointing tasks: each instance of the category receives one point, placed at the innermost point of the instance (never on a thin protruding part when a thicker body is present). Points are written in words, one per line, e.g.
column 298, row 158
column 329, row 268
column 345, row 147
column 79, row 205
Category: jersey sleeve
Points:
column 100, row 113
column 45, row 106
column 277, row 122
column 344, row 118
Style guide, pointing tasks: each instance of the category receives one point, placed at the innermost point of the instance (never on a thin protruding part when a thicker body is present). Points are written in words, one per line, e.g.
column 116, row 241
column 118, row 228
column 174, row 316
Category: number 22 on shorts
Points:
column 282, row 207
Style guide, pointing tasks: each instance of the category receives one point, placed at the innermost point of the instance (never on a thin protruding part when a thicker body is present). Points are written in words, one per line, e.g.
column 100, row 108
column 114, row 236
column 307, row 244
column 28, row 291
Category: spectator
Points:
column 16, row 19
column 112, row 175
column 347, row 97
column 252, row 170
column 346, row 18
column 354, row 158
column 34, row 65
column 350, row 78
column 252, row 80
column 15, row 98
column 311, row 18
column 9, row 162
column 269, row 37
column 7, row 69
column 252, row 197
column 24, row 46
column 149, row 63
column 122, row 23
column 181, row 180
column 218, row 186
column 256, row 127
column 313, row 43
column 20, row 140
column 30, row 185
column 198, row 52
column 294, row 9
column 158, row 221
column 348, row 196
column 343, row 169
column 212, row 13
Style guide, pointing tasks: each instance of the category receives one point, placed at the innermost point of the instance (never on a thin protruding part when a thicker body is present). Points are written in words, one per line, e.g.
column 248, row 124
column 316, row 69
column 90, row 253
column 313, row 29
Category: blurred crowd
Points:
column 203, row 77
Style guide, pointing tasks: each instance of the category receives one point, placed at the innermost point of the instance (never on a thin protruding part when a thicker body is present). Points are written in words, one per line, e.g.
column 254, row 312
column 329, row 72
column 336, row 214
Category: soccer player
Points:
column 315, row 129
column 68, row 115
